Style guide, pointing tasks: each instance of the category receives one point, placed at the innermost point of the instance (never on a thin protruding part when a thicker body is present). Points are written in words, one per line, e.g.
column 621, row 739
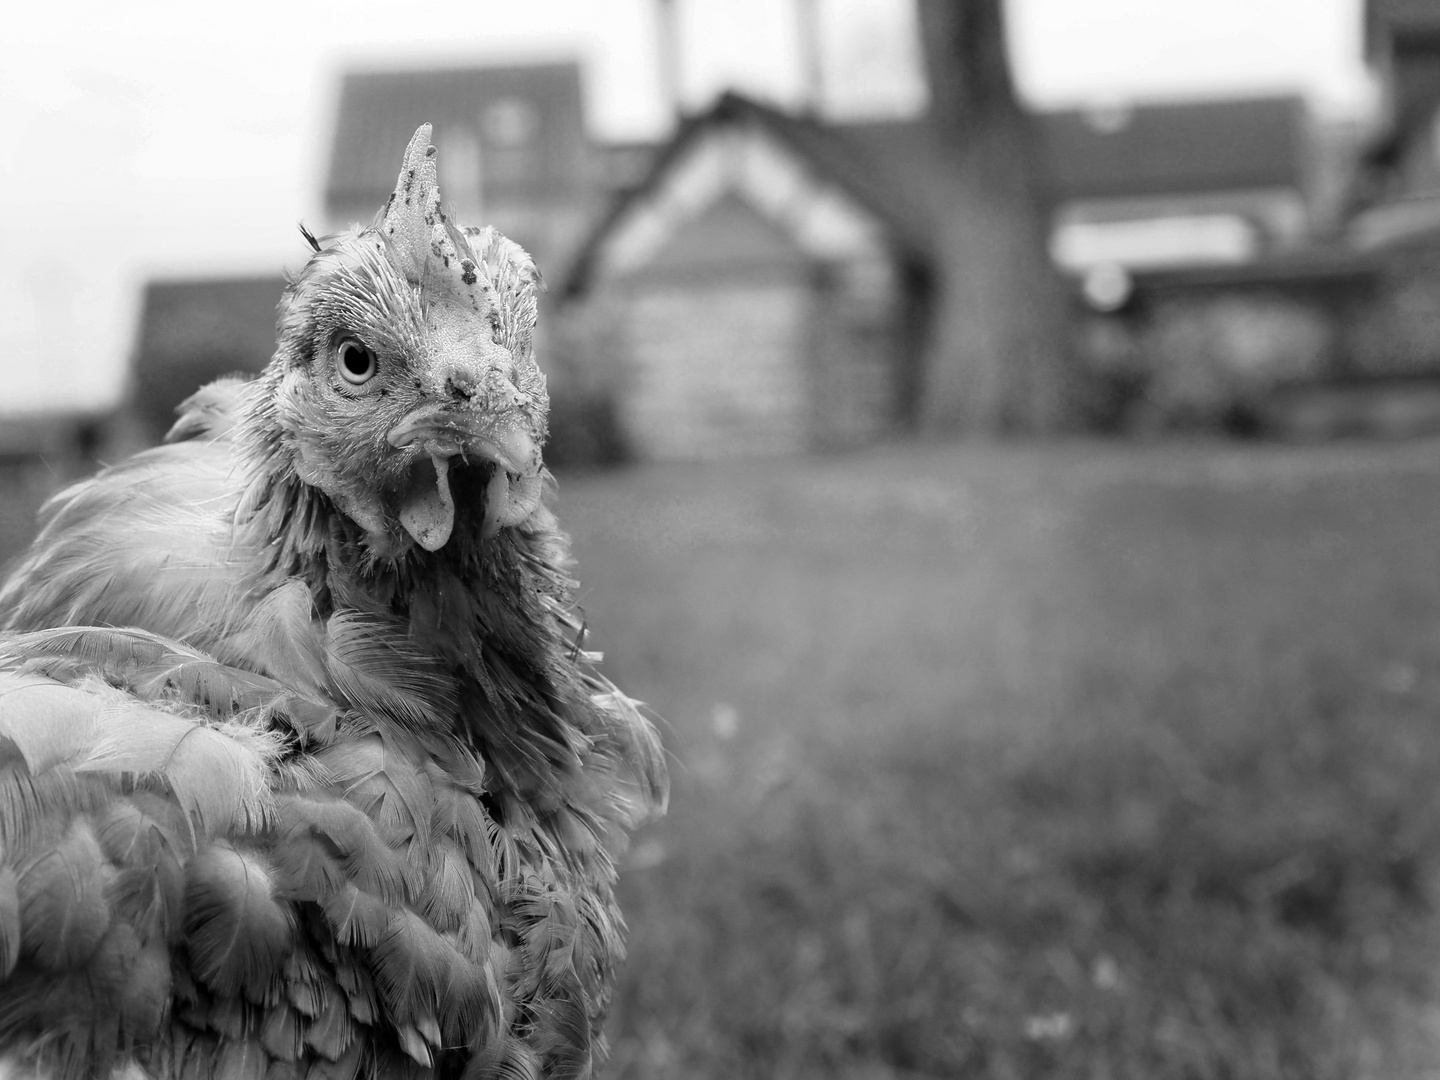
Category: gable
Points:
column 730, row 233
column 741, row 163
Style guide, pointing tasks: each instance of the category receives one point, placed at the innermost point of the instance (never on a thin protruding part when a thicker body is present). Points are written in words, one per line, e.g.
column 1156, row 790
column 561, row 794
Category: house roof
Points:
column 869, row 161
column 1173, row 148
column 1162, row 149
column 525, row 122
column 194, row 331
column 845, row 156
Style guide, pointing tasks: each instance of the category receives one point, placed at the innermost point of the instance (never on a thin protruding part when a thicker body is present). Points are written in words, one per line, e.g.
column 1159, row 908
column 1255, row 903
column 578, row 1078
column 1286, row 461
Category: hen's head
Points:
column 405, row 386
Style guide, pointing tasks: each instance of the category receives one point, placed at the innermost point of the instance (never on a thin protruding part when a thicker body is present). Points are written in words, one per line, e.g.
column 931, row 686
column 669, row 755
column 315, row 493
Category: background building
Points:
column 761, row 281
column 512, row 149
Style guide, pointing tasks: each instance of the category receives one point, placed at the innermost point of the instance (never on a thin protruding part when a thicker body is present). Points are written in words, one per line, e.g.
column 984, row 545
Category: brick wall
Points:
column 714, row 368
column 853, row 361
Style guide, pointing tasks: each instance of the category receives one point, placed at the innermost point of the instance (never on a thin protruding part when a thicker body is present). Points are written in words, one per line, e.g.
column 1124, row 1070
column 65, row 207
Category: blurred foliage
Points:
column 1202, row 363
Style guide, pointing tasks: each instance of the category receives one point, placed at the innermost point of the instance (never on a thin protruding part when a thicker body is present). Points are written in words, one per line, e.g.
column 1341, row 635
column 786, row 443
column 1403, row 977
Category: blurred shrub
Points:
column 1202, row 361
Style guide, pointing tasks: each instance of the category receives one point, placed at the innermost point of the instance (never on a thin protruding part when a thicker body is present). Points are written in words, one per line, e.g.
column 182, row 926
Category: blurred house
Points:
column 1199, row 236
column 765, row 286
column 513, row 149
column 1353, row 318
column 1177, row 184
column 191, row 332
column 1401, row 188
column 513, row 152
column 759, row 283
column 756, row 293
column 1396, row 223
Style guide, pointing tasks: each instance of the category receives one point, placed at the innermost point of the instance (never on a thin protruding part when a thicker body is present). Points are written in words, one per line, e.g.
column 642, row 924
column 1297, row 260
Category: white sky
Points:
column 151, row 138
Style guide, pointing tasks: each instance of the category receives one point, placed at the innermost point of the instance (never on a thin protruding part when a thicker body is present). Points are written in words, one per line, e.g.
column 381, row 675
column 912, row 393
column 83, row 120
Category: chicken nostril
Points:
column 458, row 386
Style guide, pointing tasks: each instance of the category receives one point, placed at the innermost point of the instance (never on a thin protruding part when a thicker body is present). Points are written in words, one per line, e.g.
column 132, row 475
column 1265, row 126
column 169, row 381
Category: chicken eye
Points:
column 356, row 363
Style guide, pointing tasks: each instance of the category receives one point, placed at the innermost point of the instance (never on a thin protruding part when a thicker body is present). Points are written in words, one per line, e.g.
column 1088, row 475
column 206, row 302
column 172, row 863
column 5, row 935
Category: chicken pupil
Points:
column 356, row 359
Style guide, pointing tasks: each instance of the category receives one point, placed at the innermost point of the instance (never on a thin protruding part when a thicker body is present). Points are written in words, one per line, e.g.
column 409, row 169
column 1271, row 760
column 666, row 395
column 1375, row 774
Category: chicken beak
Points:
column 510, row 499
column 428, row 512
column 515, row 488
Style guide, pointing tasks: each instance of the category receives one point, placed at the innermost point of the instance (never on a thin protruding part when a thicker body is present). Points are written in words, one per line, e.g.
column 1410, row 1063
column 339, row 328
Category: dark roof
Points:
column 194, row 331
column 845, row 155
column 889, row 166
column 1183, row 148
column 1179, row 148
column 527, row 121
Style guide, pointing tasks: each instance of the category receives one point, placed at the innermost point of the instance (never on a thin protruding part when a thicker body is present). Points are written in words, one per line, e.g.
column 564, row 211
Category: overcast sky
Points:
column 149, row 138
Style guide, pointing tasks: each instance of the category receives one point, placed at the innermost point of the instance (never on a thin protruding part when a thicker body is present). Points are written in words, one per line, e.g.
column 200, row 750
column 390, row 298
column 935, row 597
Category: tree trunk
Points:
column 996, row 358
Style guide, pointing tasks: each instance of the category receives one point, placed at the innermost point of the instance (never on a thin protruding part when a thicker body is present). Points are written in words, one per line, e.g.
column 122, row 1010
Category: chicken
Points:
column 304, row 770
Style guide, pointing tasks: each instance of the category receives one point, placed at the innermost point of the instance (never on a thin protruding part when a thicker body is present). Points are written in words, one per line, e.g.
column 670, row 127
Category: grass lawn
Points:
column 1092, row 761
column 1078, row 761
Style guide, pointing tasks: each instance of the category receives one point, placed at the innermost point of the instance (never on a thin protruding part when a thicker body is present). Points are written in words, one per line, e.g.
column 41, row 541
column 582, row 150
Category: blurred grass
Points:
column 1090, row 761
column 1074, row 761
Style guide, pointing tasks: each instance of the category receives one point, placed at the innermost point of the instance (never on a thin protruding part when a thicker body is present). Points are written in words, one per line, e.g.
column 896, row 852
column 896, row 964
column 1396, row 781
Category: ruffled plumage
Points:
column 282, row 792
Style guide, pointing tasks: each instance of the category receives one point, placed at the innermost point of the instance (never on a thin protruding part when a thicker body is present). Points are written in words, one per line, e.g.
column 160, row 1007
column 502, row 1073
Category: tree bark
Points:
column 996, row 359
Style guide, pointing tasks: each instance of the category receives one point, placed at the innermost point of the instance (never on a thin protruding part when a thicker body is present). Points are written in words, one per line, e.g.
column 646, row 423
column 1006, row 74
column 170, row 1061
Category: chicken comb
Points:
column 429, row 250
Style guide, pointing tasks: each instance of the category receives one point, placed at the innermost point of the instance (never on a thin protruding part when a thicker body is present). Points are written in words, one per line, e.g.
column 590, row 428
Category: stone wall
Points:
column 760, row 359
column 715, row 368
